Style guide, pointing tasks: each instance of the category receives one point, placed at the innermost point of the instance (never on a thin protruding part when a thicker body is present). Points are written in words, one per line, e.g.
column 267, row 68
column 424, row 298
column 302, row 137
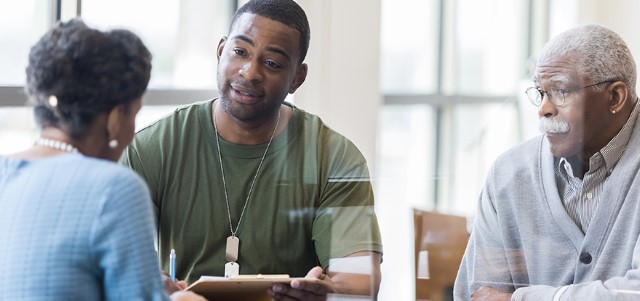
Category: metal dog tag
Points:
column 231, row 269
column 232, row 248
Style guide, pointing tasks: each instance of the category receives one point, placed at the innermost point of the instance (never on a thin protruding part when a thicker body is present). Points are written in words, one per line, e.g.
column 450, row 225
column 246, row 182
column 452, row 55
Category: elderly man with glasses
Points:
column 559, row 215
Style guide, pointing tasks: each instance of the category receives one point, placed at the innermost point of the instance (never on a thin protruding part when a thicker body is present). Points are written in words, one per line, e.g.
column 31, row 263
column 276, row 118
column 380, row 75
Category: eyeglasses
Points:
column 555, row 95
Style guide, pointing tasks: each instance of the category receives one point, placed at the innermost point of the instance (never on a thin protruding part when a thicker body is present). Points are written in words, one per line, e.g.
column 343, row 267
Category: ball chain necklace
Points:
column 231, row 268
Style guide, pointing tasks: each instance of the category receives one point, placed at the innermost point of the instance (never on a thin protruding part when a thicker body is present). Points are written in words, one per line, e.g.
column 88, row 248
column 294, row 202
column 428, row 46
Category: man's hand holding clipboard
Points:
column 315, row 286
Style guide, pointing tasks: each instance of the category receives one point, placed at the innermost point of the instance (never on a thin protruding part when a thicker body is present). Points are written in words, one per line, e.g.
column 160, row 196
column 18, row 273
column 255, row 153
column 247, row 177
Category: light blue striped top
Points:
column 75, row 228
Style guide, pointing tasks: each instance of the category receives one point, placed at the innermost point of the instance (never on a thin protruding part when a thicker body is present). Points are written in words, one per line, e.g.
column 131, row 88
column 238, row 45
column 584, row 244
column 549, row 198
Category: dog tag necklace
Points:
column 231, row 268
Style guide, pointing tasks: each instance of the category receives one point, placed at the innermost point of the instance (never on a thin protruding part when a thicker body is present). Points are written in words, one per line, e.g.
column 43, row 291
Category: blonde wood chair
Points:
column 440, row 241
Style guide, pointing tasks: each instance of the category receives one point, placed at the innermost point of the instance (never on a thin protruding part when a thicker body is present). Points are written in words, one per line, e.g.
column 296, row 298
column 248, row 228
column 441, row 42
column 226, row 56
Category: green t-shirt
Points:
column 312, row 201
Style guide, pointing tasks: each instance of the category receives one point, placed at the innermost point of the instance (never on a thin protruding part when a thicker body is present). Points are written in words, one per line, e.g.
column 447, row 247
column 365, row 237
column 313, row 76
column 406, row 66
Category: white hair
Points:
column 599, row 53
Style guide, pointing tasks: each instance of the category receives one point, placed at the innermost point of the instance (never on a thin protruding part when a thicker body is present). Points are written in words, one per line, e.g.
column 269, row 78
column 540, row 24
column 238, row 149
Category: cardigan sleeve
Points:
column 485, row 260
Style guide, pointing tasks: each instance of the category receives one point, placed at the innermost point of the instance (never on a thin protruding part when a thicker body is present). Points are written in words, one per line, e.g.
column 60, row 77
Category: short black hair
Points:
column 88, row 71
column 287, row 12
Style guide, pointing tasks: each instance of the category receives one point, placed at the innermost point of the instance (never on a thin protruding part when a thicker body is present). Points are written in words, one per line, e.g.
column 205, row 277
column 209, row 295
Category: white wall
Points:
column 619, row 15
column 342, row 86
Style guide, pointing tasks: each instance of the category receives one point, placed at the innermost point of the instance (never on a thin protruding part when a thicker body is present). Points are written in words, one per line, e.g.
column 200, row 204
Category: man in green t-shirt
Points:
column 250, row 184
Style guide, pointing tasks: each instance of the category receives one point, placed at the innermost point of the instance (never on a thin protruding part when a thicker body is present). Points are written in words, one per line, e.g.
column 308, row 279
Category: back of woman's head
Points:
column 88, row 71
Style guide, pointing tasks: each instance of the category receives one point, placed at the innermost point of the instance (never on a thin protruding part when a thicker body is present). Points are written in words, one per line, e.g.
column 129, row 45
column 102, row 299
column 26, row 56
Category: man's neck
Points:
column 579, row 165
column 242, row 133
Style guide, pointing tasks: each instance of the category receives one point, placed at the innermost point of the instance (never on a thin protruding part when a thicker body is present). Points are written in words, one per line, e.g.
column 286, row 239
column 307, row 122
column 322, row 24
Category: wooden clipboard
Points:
column 241, row 287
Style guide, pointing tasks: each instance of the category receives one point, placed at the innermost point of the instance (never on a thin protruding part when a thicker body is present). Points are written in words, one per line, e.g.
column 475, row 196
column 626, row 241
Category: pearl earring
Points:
column 613, row 112
column 113, row 143
column 53, row 101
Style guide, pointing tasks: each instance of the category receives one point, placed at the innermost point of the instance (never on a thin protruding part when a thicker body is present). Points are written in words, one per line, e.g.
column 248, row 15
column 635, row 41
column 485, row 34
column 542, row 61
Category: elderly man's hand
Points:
column 487, row 293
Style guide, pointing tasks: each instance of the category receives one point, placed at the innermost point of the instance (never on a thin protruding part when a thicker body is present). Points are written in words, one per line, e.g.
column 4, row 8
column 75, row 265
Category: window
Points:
column 183, row 35
column 465, row 61
column 490, row 46
column 451, row 76
column 21, row 24
column 409, row 50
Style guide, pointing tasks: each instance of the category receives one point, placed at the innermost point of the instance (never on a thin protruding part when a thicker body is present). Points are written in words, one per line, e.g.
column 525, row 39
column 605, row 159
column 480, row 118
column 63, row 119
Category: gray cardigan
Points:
column 523, row 238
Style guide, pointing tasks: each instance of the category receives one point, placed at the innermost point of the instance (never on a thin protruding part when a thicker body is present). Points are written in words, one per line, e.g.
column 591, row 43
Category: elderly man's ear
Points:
column 618, row 96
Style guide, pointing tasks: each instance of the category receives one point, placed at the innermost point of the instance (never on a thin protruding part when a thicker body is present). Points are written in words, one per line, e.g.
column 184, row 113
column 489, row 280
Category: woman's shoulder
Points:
column 97, row 171
column 119, row 185
column 110, row 170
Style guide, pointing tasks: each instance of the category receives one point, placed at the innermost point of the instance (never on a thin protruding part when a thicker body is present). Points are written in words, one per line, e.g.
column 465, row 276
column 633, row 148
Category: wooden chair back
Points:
column 440, row 241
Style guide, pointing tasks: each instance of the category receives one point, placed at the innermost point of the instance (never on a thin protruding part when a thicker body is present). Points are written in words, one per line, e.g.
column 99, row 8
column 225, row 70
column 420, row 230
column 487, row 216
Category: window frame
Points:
column 14, row 95
column 442, row 102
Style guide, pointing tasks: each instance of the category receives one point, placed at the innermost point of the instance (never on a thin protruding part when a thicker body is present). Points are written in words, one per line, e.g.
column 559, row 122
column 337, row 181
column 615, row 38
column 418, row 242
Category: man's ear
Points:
column 618, row 97
column 301, row 75
column 221, row 44
column 114, row 121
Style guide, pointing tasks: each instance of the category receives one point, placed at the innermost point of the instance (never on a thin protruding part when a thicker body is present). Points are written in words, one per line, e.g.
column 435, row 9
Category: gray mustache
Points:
column 552, row 126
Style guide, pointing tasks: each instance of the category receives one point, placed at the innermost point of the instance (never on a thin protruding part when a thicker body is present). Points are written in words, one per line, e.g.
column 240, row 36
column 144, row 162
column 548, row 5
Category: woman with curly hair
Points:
column 75, row 225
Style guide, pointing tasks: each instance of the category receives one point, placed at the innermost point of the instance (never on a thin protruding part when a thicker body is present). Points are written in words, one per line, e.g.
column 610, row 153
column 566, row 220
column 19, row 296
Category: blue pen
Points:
column 172, row 265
